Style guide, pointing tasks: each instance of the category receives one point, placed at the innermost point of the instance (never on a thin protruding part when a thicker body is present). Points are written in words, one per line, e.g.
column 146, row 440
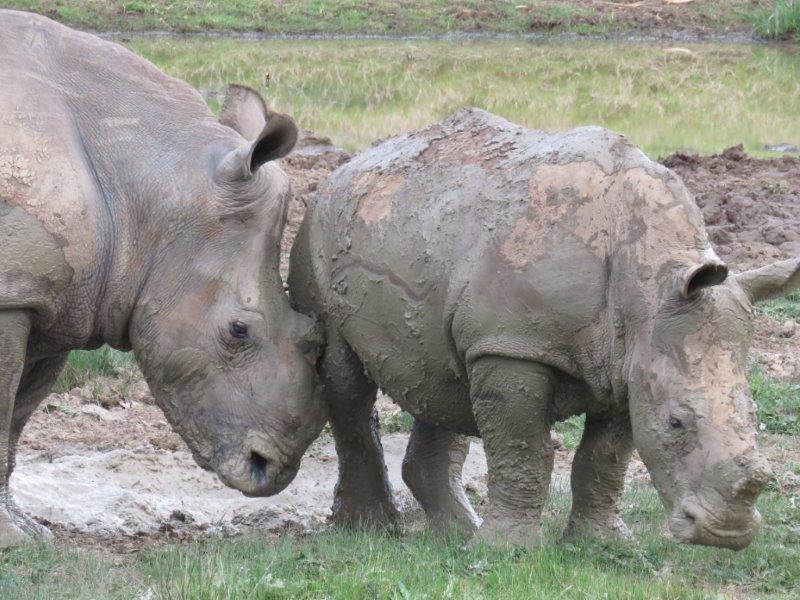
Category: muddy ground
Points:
column 117, row 475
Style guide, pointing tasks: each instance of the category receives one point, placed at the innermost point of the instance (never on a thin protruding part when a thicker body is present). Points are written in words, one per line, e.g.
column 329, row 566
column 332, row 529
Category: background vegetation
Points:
column 781, row 21
column 700, row 97
column 404, row 17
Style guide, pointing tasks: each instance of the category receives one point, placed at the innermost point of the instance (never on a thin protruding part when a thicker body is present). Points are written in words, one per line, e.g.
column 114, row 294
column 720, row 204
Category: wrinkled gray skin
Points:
column 130, row 216
column 493, row 280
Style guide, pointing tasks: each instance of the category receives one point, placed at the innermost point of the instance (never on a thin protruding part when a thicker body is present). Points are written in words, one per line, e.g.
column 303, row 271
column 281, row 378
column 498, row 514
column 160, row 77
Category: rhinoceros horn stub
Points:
column 771, row 281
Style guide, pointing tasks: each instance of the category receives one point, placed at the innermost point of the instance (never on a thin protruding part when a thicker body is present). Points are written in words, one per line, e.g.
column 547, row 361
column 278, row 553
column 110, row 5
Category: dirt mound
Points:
column 751, row 206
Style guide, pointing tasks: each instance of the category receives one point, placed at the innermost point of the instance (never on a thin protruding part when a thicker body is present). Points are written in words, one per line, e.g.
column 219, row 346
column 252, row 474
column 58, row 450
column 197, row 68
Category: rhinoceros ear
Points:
column 276, row 139
column 771, row 281
column 705, row 275
column 244, row 110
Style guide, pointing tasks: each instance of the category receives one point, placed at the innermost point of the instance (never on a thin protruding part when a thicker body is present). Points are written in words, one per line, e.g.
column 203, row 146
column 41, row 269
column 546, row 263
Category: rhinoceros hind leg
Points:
column 598, row 478
column 14, row 330
column 363, row 495
column 511, row 401
column 36, row 382
column 432, row 470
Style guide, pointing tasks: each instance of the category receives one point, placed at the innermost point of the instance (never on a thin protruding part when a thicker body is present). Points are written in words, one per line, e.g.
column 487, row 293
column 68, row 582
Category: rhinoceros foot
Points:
column 506, row 531
column 11, row 535
column 432, row 470
column 17, row 528
column 605, row 528
column 357, row 511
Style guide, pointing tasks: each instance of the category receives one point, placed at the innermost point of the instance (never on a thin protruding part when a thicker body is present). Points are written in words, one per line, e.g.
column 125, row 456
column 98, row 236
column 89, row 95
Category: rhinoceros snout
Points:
column 267, row 476
column 694, row 524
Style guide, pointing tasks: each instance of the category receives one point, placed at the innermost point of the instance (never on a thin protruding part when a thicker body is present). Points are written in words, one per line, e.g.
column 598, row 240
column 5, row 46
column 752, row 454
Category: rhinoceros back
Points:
column 478, row 237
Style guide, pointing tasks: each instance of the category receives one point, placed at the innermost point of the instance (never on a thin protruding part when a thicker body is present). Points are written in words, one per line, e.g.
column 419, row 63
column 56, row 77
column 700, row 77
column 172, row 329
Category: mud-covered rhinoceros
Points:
column 493, row 280
column 130, row 216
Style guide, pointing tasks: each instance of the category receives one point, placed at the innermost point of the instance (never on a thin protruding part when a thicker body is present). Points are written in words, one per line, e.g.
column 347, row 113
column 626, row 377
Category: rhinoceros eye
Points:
column 238, row 329
column 675, row 423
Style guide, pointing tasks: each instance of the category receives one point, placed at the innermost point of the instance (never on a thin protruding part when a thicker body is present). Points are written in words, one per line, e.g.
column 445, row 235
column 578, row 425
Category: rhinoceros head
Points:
column 228, row 360
column 694, row 420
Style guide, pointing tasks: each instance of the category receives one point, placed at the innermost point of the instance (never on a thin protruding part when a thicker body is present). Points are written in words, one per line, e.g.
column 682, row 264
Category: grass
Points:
column 781, row 309
column 782, row 21
column 391, row 17
column 778, row 403
column 83, row 366
column 359, row 91
column 335, row 564
column 398, row 422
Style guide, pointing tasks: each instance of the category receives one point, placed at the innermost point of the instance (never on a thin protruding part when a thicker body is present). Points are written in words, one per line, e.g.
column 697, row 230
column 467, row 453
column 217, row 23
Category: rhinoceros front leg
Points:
column 363, row 495
column 14, row 330
column 432, row 470
column 511, row 400
column 37, row 380
column 598, row 478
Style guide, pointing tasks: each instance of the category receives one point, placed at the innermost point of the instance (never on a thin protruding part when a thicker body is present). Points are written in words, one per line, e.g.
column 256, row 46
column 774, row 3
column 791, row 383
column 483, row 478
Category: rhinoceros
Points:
column 130, row 216
column 493, row 280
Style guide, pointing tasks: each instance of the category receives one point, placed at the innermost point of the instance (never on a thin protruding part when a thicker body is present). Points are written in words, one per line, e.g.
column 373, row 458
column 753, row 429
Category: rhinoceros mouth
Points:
column 693, row 524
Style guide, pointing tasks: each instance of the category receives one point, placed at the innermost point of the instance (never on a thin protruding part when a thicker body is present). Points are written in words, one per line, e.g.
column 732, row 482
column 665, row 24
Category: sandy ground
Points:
column 120, row 473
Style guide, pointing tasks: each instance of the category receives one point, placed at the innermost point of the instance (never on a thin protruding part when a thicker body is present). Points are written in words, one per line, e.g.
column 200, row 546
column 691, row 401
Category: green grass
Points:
column 778, row 403
column 399, row 422
column 85, row 365
column 335, row 564
column 359, row 91
column 782, row 21
column 781, row 309
column 570, row 431
column 386, row 17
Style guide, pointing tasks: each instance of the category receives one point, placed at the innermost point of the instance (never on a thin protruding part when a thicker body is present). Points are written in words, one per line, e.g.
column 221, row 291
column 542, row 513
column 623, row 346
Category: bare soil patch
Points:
column 118, row 476
column 751, row 206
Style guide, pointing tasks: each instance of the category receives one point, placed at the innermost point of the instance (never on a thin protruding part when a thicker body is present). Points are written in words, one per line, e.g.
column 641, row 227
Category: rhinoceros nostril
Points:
column 258, row 468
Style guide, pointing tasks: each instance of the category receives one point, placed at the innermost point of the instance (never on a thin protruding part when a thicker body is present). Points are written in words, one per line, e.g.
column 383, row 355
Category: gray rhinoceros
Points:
column 130, row 216
column 493, row 280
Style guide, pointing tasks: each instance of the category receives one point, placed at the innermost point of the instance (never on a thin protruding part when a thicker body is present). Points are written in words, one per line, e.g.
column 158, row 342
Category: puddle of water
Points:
column 701, row 97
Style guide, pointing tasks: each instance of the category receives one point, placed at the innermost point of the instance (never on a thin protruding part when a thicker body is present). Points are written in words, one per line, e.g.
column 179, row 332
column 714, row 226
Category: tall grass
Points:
column 358, row 91
column 782, row 21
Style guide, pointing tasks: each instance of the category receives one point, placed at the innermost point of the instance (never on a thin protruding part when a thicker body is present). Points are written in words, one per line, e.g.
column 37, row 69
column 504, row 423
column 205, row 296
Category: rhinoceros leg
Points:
column 363, row 495
column 36, row 382
column 432, row 471
column 511, row 400
column 598, row 477
column 14, row 330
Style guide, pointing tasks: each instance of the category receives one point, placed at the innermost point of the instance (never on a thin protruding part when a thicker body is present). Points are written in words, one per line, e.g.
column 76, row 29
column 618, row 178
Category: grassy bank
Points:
column 699, row 97
column 390, row 17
